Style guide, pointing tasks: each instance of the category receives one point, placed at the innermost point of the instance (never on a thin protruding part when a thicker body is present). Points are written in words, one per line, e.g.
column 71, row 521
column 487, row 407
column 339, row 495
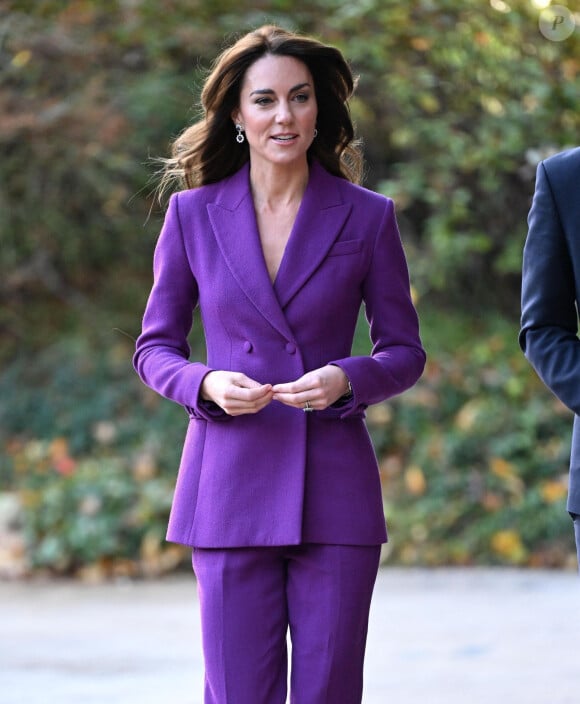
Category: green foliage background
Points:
column 456, row 103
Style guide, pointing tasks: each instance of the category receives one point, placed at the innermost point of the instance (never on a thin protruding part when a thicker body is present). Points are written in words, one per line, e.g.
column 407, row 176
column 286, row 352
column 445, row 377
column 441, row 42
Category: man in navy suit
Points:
column 550, row 295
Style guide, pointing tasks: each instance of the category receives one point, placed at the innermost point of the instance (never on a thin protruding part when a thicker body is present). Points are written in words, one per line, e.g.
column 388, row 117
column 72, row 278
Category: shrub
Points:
column 92, row 454
column 474, row 459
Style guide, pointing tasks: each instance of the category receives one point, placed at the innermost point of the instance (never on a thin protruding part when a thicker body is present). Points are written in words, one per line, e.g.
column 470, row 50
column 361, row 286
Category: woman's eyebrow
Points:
column 269, row 91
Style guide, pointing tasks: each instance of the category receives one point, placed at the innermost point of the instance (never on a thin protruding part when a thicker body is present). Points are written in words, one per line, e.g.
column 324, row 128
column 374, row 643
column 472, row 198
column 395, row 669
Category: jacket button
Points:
column 248, row 347
column 290, row 348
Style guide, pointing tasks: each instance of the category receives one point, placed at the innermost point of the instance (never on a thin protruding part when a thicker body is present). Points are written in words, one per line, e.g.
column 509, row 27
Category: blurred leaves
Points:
column 456, row 103
column 92, row 457
column 474, row 459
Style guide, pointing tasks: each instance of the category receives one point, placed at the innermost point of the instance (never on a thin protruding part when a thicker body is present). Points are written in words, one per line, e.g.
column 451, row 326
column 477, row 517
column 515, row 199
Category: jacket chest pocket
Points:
column 345, row 247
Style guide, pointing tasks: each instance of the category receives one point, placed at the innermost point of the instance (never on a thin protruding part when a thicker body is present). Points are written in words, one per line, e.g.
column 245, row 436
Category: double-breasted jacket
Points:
column 281, row 476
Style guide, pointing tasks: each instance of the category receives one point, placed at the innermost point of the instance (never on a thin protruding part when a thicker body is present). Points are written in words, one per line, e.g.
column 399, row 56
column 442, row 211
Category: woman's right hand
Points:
column 235, row 392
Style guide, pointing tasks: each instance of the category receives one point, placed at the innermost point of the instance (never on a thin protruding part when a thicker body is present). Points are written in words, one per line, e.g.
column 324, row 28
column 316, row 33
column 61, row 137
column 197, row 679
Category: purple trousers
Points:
column 251, row 597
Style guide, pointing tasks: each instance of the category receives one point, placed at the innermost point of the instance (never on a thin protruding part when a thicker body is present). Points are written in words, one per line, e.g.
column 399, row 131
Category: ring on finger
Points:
column 307, row 407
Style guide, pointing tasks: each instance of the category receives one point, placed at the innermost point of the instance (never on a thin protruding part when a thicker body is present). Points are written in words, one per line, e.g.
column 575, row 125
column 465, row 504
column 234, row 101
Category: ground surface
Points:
column 436, row 637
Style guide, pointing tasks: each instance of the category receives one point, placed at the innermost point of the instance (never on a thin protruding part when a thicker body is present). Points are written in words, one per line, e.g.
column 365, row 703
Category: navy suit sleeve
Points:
column 549, row 323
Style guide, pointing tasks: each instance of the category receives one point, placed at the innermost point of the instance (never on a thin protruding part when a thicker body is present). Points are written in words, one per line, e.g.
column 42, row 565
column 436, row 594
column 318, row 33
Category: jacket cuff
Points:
column 347, row 406
column 202, row 409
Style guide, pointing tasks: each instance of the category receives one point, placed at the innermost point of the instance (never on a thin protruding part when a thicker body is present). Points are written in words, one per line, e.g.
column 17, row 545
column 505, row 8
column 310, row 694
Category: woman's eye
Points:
column 263, row 101
column 301, row 97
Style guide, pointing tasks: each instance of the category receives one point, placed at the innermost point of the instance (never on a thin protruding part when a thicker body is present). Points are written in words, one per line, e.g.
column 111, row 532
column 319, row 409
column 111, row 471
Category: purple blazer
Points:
column 281, row 476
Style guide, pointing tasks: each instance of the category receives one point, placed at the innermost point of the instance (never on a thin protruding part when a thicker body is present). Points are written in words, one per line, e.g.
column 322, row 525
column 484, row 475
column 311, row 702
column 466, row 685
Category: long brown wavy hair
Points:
column 207, row 151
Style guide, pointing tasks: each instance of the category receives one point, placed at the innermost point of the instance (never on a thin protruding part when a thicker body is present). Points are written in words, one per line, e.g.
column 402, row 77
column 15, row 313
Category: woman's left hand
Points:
column 320, row 388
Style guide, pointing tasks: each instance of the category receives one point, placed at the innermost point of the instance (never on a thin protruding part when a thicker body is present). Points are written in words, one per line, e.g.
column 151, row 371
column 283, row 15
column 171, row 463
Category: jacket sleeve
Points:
column 397, row 359
column 162, row 352
column 549, row 322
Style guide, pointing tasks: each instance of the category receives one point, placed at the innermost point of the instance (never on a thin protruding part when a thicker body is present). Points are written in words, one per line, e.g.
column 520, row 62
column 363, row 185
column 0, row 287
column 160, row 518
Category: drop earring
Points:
column 240, row 136
column 315, row 133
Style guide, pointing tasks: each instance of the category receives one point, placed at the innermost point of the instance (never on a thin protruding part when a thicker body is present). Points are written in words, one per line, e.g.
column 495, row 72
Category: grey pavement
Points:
column 448, row 636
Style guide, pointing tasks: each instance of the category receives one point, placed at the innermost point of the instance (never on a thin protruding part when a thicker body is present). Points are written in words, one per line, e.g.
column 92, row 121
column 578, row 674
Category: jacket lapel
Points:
column 233, row 220
column 321, row 217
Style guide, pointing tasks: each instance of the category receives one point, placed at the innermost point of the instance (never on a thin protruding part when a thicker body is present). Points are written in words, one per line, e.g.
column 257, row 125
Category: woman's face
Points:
column 277, row 110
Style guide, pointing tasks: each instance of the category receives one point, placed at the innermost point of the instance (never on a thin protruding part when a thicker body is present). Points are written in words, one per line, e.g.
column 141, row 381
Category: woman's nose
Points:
column 284, row 113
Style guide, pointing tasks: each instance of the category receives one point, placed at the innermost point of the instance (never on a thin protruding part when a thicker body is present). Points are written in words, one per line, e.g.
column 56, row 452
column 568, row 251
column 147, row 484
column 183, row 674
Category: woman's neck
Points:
column 276, row 187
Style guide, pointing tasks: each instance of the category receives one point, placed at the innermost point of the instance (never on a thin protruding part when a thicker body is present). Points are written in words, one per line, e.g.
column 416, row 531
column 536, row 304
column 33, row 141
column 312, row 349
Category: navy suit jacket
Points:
column 550, row 289
column 281, row 476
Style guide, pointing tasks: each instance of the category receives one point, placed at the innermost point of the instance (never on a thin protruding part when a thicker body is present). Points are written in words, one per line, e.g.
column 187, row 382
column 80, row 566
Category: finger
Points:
column 240, row 407
column 294, row 387
column 293, row 399
column 250, row 394
column 240, row 400
column 299, row 400
column 244, row 382
column 288, row 388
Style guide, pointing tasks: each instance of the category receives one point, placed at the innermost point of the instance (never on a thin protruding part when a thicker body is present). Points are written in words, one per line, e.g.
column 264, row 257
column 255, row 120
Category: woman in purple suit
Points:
column 278, row 489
